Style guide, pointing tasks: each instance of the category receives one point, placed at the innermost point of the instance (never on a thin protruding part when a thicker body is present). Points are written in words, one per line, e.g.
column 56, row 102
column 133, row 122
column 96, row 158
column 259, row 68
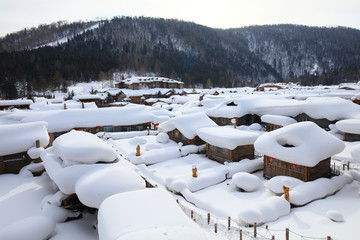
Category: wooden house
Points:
column 137, row 83
column 223, row 113
column 274, row 122
column 97, row 99
column 350, row 129
column 183, row 128
column 19, row 103
column 18, row 143
column 300, row 150
column 224, row 144
column 109, row 119
column 321, row 122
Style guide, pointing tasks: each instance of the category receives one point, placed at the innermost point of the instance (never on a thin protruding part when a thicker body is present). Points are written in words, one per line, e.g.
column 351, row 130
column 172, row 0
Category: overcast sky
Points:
column 16, row 15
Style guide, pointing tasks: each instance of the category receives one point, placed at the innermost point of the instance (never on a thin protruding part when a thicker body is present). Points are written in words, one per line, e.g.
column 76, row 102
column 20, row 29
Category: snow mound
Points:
column 245, row 181
column 349, row 126
column 335, row 216
column 245, row 165
column 265, row 211
column 93, row 188
column 162, row 138
column 83, row 147
column 34, row 152
column 155, row 156
column 320, row 188
column 255, row 127
column 137, row 141
column 50, row 207
column 275, row 184
column 277, row 119
column 355, row 152
column 205, row 178
column 141, row 214
column 31, row 228
column 189, row 149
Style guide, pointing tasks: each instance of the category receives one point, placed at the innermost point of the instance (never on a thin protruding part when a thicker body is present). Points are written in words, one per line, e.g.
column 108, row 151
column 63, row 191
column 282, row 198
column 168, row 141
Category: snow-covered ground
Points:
column 324, row 207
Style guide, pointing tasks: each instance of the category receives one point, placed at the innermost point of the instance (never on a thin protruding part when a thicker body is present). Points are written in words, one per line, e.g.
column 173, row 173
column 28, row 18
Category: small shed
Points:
column 183, row 128
column 19, row 103
column 300, row 150
column 350, row 128
column 21, row 144
column 276, row 121
column 224, row 144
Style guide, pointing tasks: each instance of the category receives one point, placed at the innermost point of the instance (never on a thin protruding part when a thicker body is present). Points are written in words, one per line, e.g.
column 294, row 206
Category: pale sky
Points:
column 16, row 15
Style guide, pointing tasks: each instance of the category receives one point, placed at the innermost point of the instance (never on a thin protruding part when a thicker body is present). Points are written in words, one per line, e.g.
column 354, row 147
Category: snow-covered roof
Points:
column 256, row 104
column 307, row 143
column 331, row 108
column 349, row 126
column 64, row 120
column 83, row 147
column 132, row 80
column 17, row 138
column 87, row 96
column 277, row 120
column 141, row 214
column 15, row 102
column 188, row 124
column 225, row 137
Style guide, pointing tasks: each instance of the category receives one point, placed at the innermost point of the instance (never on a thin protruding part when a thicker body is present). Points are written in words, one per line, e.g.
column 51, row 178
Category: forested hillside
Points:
column 55, row 55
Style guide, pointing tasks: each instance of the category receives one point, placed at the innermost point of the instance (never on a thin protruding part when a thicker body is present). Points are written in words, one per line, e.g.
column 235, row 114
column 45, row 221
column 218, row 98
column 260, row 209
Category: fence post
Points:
column 240, row 234
column 254, row 230
column 229, row 223
column 272, row 237
column 208, row 218
column 215, row 227
column 286, row 233
column 192, row 214
column 328, row 238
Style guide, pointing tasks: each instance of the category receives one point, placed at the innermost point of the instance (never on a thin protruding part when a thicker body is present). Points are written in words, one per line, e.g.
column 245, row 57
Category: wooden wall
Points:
column 274, row 167
column 223, row 154
column 177, row 136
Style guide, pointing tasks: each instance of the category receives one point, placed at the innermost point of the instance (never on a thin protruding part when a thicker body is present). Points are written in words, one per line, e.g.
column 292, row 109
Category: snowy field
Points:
column 228, row 198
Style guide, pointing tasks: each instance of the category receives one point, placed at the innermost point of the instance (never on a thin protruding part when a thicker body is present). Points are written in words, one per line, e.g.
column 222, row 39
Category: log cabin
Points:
column 300, row 150
column 225, row 144
column 183, row 128
column 17, row 148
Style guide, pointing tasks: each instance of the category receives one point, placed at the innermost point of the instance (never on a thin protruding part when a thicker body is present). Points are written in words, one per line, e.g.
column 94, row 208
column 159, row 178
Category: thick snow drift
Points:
column 188, row 124
column 246, row 182
column 302, row 143
column 145, row 214
column 83, row 147
column 277, row 119
column 17, row 138
column 349, row 126
column 225, row 137
column 320, row 188
column 31, row 228
column 266, row 211
column 94, row 187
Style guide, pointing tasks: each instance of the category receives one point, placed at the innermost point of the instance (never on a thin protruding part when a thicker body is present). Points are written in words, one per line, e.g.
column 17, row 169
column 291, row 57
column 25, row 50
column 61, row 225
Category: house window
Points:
column 108, row 128
column 126, row 129
column 139, row 128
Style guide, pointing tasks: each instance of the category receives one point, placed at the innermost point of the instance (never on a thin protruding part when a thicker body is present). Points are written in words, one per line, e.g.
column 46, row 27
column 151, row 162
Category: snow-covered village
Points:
column 179, row 120
column 280, row 161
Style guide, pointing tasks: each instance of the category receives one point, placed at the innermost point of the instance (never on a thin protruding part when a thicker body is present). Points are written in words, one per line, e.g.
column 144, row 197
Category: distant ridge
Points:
column 56, row 54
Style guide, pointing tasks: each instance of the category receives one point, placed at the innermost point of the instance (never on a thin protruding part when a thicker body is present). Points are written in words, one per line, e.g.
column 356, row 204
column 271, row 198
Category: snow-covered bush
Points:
column 245, row 182
column 162, row 138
